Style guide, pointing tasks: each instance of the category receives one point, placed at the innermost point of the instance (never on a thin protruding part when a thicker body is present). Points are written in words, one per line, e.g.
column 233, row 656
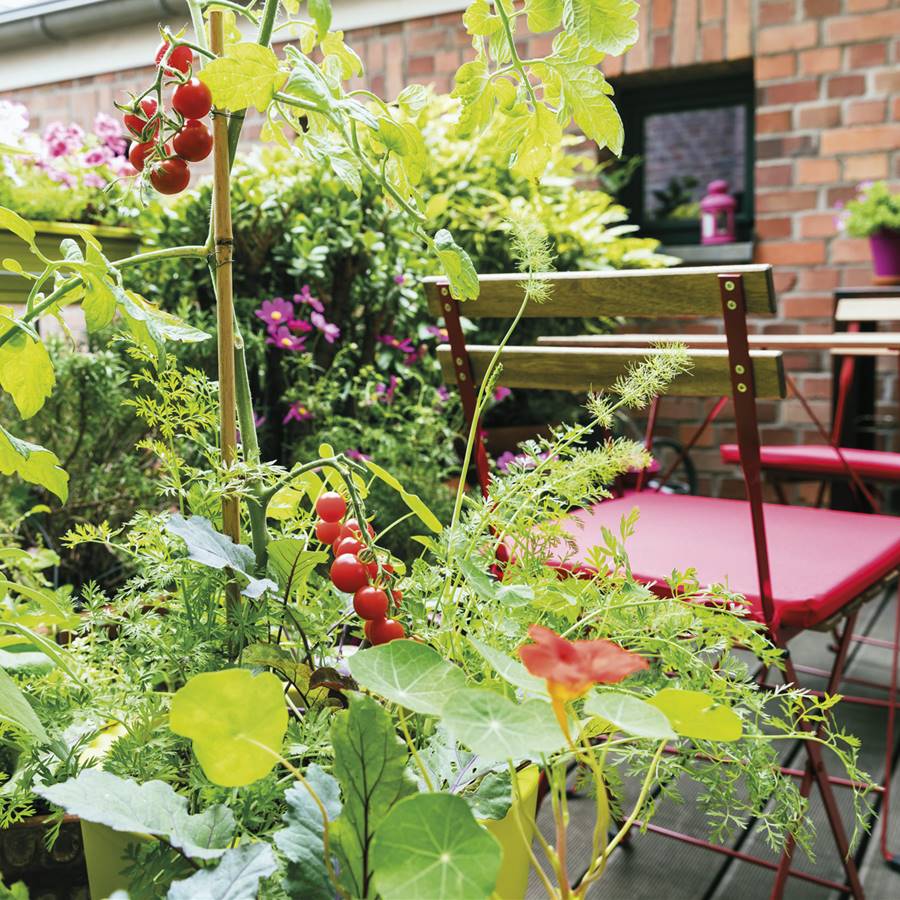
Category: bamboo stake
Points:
column 231, row 515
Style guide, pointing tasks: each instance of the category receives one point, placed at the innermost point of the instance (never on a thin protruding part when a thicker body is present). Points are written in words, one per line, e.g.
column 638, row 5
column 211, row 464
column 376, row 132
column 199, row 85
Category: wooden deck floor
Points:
column 658, row 868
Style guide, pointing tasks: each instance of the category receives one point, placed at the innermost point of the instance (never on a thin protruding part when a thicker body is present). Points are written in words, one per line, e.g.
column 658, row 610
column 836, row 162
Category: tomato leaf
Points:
column 32, row 463
column 247, row 75
column 20, row 227
column 431, row 846
column 544, row 15
column 457, row 266
column 228, row 715
column 605, row 25
column 320, row 10
column 26, row 372
column 510, row 670
column 413, row 501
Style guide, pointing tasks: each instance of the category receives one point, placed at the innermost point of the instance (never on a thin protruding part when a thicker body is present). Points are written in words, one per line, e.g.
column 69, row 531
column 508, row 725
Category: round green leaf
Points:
column 496, row 728
column 630, row 715
column 228, row 715
column 411, row 674
column 429, row 845
column 695, row 715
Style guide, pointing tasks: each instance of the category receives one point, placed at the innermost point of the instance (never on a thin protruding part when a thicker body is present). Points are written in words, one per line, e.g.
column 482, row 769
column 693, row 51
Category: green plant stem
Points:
column 234, row 7
column 527, row 839
column 412, row 749
column 516, row 59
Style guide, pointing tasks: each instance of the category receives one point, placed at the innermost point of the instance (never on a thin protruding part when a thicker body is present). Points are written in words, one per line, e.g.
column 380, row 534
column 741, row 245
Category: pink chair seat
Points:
column 820, row 560
column 820, row 459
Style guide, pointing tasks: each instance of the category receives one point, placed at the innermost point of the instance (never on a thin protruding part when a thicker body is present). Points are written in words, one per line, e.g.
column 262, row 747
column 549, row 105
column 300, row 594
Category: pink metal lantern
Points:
column 717, row 214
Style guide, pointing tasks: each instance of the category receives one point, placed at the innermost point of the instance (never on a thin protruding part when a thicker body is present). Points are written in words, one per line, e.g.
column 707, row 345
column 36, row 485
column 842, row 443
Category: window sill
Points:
column 711, row 254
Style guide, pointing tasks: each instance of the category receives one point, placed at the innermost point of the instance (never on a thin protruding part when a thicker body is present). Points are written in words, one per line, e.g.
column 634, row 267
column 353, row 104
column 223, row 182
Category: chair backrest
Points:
column 732, row 293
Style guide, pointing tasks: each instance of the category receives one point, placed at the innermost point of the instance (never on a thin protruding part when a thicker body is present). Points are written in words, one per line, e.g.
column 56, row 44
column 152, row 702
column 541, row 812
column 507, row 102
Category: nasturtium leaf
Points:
column 431, row 846
column 15, row 710
column 497, row 728
column 493, row 796
column 370, row 764
column 605, row 25
column 320, row 10
column 696, row 715
column 510, row 670
column 284, row 503
column 26, row 372
column 247, row 75
column 543, row 15
column 228, row 715
column 411, row 674
column 302, row 840
column 20, row 227
column 33, row 464
column 630, row 715
column 150, row 808
column 413, row 501
column 457, row 267
column 479, row 20
column 236, row 877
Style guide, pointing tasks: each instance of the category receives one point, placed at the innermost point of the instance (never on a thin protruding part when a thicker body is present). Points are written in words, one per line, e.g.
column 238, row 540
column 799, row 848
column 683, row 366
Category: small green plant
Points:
column 874, row 210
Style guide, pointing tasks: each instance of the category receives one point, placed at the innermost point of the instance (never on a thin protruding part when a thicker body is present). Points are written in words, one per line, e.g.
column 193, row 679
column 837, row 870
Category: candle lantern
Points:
column 717, row 214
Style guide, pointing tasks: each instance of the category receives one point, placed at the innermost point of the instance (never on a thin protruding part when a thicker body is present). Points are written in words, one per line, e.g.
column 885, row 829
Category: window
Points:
column 687, row 134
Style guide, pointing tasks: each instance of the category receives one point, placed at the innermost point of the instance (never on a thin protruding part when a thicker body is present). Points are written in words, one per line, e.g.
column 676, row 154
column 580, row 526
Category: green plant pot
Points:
column 117, row 243
column 104, row 857
column 513, row 880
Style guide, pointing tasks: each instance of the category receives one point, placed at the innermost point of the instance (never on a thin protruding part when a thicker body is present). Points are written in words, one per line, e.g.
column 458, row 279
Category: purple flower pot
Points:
column 886, row 255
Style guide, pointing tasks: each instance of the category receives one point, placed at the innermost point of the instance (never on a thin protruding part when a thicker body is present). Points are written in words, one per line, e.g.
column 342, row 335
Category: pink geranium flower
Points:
column 284, row 339
column 97, row 156
column 61, row 140
column 109, row 130
column 276, row 312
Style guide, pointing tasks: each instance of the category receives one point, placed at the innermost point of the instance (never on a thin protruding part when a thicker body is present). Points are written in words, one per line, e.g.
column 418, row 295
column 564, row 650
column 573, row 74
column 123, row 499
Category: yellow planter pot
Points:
column 516, row 864
column 104, row 858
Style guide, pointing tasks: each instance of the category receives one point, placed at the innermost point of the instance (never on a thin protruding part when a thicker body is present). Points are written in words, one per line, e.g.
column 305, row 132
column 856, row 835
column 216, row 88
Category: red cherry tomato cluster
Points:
column 353, row 573
column 165, row 144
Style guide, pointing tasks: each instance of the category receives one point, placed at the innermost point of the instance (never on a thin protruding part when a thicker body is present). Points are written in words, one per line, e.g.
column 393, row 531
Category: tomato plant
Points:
column 194, row 142
column 170, row 176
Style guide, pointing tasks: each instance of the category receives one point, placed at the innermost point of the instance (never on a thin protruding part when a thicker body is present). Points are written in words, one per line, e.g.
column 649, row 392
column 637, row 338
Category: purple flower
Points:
column 443, row 394
column 297, row 412
column 439, row 333
column 329, row 331
column 399, row 278
column 356, row 454
column 404, row 346
column 97, row 156
column 306, row 298
column 386, row 392
column 122, row 167
column 301, row 326
column 276, row 312
column 412, row 358
column 92, row 179
column 258, row 420
column 109, row 130
column 284, row 340
column 501, row 393
column 61, row 176
column 61, row 140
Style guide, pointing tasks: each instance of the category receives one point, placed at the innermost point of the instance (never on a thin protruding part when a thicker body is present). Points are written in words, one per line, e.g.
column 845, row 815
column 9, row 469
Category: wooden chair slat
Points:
column 644, row 293
column 838, row 341
column 868, row 309
column 591, row 368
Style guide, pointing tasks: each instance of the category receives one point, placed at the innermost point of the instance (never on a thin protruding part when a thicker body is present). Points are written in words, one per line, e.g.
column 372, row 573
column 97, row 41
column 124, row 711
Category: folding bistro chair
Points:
column 799, row 568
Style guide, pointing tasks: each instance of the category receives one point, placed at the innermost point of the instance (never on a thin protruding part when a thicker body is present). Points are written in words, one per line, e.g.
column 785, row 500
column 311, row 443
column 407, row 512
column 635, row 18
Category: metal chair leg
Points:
column 892, row 859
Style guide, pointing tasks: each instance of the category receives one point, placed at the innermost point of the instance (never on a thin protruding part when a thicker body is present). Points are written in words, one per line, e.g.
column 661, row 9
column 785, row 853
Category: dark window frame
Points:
column 638, row 101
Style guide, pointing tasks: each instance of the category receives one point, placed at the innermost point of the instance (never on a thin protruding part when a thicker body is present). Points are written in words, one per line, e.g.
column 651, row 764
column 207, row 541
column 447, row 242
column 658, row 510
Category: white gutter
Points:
column 58, row 41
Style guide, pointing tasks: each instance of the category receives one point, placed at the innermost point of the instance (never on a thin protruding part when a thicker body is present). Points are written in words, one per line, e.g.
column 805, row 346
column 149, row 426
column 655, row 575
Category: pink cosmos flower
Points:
column 357, row 455
column 301, row 326
column 395, row 343
column 443, row 394
column 439, row 333
column 329, row 330
column 297, row 412
column 501, row 393
column 386, row 392
column 305, row 298
column 276, row 312
column 416, row 356
column 284, row 340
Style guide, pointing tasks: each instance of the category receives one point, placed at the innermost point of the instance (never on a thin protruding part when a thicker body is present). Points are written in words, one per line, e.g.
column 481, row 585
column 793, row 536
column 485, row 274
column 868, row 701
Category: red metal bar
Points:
column 892, row 859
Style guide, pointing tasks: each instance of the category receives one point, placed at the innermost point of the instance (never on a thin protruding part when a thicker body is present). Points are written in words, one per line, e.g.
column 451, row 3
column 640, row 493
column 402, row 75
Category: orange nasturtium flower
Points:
column 571, row 668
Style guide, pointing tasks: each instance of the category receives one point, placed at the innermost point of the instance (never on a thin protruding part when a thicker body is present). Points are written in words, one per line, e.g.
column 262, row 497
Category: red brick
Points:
column 860, row 140
column 888, row 81
column 662, row 51
column 865, row 56
column 662, row 14
column 895, row 109
column 866, row 5
column 791, row 253
column 866, row 27
column 866, row 168
column 820, row 116
column 819, row 60
column 421, row 65
column 710, row 10
column 816, row 9
column 844, row 250
column 840, row 196
column 685, row 33
column 769, row 68
column 781, row 147
column 786, row 201
column 846, row 85
column 856, row 276
column 422, row 41
column 818, row 279
column 782, row 38
column 776, row 13
column 791, row 92
column 784, row 280
column 773, row 122
column 865, row 112
column 800, row 307
column 711, row 43
column 738, row 28
column 774, row 227
column 816, row 225
column 774, row 176
column 817, row 171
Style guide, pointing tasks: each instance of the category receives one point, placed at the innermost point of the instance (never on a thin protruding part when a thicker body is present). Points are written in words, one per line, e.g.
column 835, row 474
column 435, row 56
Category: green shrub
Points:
column 874, row 209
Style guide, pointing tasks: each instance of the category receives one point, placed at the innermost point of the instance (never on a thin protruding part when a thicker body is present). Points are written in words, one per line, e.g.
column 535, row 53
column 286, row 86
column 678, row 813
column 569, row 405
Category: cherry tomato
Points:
column 370, row 603
column 192, row 99
column 138, row 154
column 502, row 553
column 348, row 574
column 382, row 631
column 398, row 597
column 170, row 176
column 347, row 545
column 193, row 142
column 331, row 507
column 327, row 532
column 353, row 525
column 137, row 123
column 371, row 567
column 180, row 58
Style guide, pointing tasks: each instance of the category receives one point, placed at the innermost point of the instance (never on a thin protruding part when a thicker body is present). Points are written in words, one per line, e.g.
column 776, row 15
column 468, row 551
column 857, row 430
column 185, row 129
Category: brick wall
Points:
column 828, row 116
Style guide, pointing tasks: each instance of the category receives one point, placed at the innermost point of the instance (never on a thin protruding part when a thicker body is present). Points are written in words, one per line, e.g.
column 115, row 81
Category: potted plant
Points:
column 275, row 698
column 875, row 213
